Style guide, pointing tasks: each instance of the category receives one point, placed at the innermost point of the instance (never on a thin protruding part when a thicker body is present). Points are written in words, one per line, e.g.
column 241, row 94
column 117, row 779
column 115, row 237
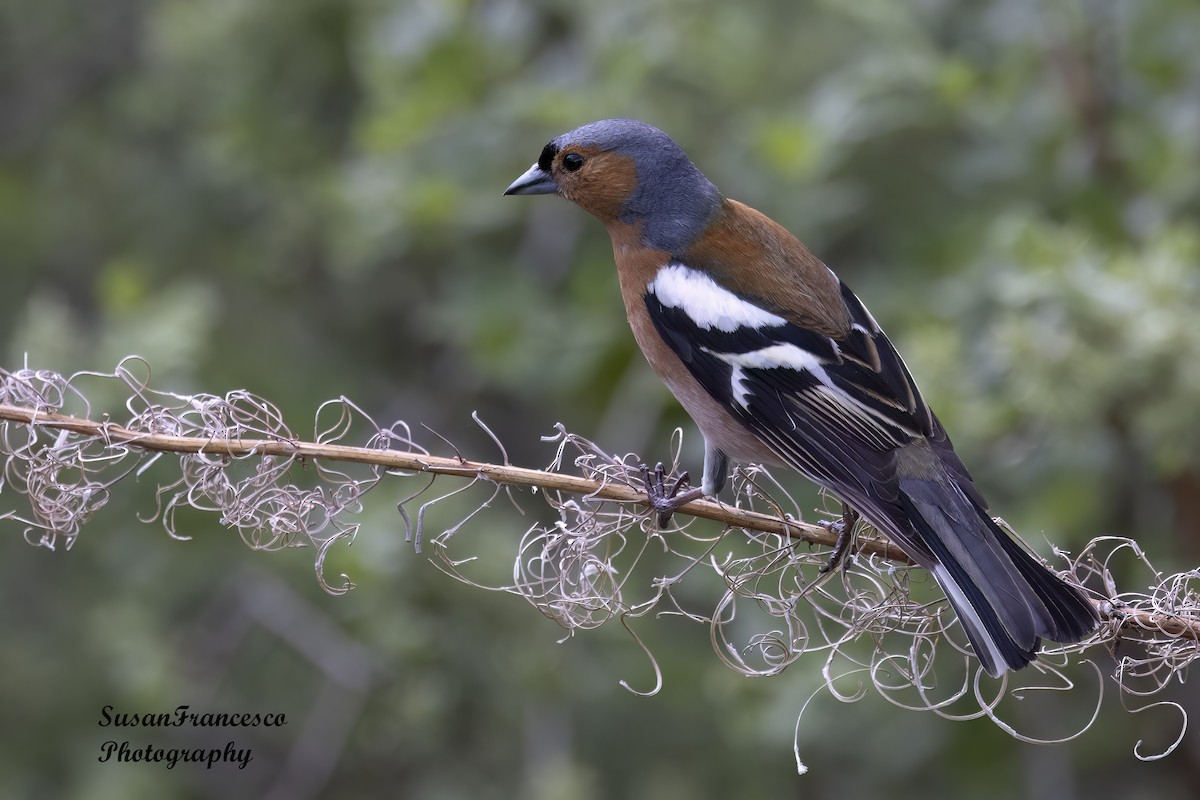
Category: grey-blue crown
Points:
column 629, row 136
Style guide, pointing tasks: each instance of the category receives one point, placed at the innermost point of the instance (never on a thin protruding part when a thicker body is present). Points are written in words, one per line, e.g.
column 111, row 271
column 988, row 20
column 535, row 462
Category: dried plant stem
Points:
column 505, row 474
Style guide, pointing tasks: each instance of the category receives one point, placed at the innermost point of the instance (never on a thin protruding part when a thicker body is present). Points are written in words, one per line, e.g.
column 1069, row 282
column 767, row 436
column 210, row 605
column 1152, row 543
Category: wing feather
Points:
column 773, row 371
column 837, row 409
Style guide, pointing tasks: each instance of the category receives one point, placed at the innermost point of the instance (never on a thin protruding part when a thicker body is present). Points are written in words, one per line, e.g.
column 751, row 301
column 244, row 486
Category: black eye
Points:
column 572, row 162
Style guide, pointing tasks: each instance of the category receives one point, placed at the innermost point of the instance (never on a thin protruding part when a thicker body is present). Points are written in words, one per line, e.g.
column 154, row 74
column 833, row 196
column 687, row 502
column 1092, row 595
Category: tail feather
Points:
column 1004, row 598
column 995, row 648
column 1072, row 615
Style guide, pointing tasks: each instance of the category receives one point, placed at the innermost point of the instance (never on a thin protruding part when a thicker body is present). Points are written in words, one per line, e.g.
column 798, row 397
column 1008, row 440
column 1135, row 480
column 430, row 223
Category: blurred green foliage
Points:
column 302, row 198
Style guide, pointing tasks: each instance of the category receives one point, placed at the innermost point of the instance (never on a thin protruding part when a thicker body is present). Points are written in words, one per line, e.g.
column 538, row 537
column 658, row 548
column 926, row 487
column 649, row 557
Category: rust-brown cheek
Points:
column 603, row 186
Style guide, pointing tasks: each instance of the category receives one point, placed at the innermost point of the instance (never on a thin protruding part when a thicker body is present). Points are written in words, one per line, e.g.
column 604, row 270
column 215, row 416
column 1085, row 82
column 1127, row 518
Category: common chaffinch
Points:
column 778, row 362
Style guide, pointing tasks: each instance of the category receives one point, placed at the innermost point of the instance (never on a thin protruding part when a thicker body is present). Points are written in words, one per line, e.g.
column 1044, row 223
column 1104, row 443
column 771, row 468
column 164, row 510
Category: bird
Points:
column 779, row 363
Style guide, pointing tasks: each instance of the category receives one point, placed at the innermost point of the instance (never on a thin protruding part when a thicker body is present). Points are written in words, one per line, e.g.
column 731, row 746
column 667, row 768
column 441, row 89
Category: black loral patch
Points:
column 547, row 156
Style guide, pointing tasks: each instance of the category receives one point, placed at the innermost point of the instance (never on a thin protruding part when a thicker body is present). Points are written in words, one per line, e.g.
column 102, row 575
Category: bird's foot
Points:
column 666, row 501
column 844, row 528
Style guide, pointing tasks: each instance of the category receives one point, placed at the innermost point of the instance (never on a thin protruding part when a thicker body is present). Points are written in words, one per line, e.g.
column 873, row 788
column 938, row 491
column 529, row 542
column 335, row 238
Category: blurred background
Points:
column 303, row 199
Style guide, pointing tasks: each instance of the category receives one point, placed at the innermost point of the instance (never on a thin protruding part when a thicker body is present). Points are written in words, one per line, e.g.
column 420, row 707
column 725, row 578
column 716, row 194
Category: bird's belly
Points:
column 717, row 424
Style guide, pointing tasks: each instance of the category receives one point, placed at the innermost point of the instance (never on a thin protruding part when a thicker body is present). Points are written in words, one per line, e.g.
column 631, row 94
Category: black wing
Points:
column 837, row 410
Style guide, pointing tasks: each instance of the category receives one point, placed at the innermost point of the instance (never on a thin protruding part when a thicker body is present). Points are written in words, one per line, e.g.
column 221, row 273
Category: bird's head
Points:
column 626, row 172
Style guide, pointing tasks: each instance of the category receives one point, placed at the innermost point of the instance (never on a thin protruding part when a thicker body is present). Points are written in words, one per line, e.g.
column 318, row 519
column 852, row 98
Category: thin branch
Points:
column 1124, row 617
column 436, row 465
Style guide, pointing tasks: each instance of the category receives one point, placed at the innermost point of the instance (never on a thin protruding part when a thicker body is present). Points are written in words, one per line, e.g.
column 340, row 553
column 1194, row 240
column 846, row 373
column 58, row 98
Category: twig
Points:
column 436, row 465
column 1130, row 619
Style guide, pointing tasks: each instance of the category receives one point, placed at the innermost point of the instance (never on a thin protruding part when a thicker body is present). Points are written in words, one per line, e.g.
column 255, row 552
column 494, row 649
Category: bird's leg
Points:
column 667, row 501
column 845, row 535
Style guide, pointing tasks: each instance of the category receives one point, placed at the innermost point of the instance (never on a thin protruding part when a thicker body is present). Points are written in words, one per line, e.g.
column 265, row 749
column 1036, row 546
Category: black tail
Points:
column 1006, row 600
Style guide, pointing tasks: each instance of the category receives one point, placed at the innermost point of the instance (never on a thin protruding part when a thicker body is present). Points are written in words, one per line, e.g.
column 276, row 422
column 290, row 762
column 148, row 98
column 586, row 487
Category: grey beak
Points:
column 535, row 181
